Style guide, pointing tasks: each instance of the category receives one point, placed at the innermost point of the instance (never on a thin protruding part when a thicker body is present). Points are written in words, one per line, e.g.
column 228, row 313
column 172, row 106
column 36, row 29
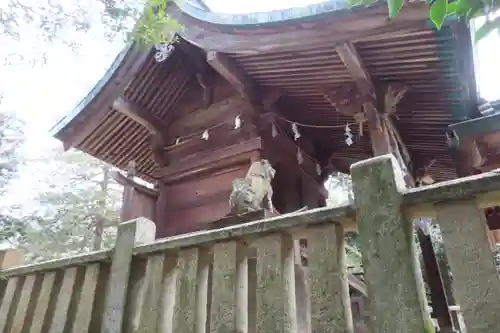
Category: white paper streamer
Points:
column 295, row 130
column 348, row 140
column 163, row 51
column 237, row 122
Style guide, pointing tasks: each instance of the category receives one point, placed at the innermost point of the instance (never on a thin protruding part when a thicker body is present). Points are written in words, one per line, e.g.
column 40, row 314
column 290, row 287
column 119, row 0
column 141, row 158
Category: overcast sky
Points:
column 43, row 94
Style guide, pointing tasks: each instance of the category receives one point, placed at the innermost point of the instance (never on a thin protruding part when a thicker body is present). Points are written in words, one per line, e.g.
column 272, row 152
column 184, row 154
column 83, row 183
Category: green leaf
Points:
column 352, row 3
column 438, row 12
column 487, row 28
column 474, row 10
column 394, row 7
column 462, row 7
column 451, row 8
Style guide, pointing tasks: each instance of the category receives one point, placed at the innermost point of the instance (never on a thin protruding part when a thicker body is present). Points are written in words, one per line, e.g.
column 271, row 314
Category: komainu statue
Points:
column 254, row 192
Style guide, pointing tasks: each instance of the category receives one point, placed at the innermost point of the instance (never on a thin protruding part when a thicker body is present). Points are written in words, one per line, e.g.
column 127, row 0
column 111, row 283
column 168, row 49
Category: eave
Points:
column 287, row 29
column 79, row 123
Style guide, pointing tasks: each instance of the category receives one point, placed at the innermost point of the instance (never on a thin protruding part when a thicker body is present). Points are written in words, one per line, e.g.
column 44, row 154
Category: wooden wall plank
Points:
column 476, row 281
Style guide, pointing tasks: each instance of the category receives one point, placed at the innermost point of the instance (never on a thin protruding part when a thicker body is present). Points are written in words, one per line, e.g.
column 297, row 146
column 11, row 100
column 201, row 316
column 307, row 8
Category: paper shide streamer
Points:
column 163, row 51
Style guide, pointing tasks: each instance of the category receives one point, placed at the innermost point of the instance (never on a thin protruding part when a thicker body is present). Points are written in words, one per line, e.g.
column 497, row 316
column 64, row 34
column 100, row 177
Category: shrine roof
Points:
column 293, row 50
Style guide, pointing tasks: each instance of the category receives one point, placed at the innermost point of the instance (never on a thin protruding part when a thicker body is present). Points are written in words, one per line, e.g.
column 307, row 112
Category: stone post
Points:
column 394, row 282
column 135, row 232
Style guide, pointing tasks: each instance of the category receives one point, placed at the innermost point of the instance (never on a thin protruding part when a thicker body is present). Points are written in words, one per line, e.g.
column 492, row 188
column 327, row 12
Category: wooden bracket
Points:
column 384, row 136
column 155, row 125
column 228, row 70
column 203, row 71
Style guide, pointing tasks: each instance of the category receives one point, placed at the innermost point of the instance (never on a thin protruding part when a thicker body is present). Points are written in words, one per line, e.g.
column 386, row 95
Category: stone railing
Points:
column 246, row 278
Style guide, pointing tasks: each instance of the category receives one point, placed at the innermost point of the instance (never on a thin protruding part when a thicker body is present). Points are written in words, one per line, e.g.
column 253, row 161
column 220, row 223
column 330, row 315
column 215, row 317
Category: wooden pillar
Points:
column 128, row 195
column 433, row 275
column 161, row 213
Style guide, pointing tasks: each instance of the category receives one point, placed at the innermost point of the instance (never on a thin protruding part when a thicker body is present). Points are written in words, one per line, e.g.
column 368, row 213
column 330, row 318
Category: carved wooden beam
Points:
column 346, row 99
column 234, row 75
column 141, row 116
column 156, row 126
column 132, row 63
column 126, row 181
column 263, row 101
column 354, row 65
column 204, row 73
column 384, row 136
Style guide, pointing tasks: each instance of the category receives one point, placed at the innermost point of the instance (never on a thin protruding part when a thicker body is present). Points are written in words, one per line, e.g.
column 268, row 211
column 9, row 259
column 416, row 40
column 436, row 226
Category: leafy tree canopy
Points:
column 11, row 140
column 76, row 209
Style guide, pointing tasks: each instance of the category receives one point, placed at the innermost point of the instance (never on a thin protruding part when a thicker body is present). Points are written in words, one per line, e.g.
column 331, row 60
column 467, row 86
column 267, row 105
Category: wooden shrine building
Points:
column 291, row 86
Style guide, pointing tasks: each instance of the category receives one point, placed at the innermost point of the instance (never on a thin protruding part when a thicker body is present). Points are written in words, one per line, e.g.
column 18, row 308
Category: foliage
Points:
column 61, row 18
column 339, row 187
column 439, row 10
column 11, row 139
column 55, row 17
column 77, row 213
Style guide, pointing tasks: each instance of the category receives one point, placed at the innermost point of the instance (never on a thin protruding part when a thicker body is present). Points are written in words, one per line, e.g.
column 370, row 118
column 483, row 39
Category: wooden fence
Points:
column 244, row 278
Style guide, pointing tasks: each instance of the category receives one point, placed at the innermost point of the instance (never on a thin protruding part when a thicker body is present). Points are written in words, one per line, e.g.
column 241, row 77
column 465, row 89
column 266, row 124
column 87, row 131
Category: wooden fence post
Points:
column 135, row 232
column 394, row 282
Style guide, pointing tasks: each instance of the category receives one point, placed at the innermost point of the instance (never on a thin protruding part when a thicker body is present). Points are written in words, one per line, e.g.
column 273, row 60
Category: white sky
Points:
column 42, row 94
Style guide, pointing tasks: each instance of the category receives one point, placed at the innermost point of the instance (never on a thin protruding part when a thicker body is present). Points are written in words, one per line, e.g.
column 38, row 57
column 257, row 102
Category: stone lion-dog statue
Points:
column 254, row 192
